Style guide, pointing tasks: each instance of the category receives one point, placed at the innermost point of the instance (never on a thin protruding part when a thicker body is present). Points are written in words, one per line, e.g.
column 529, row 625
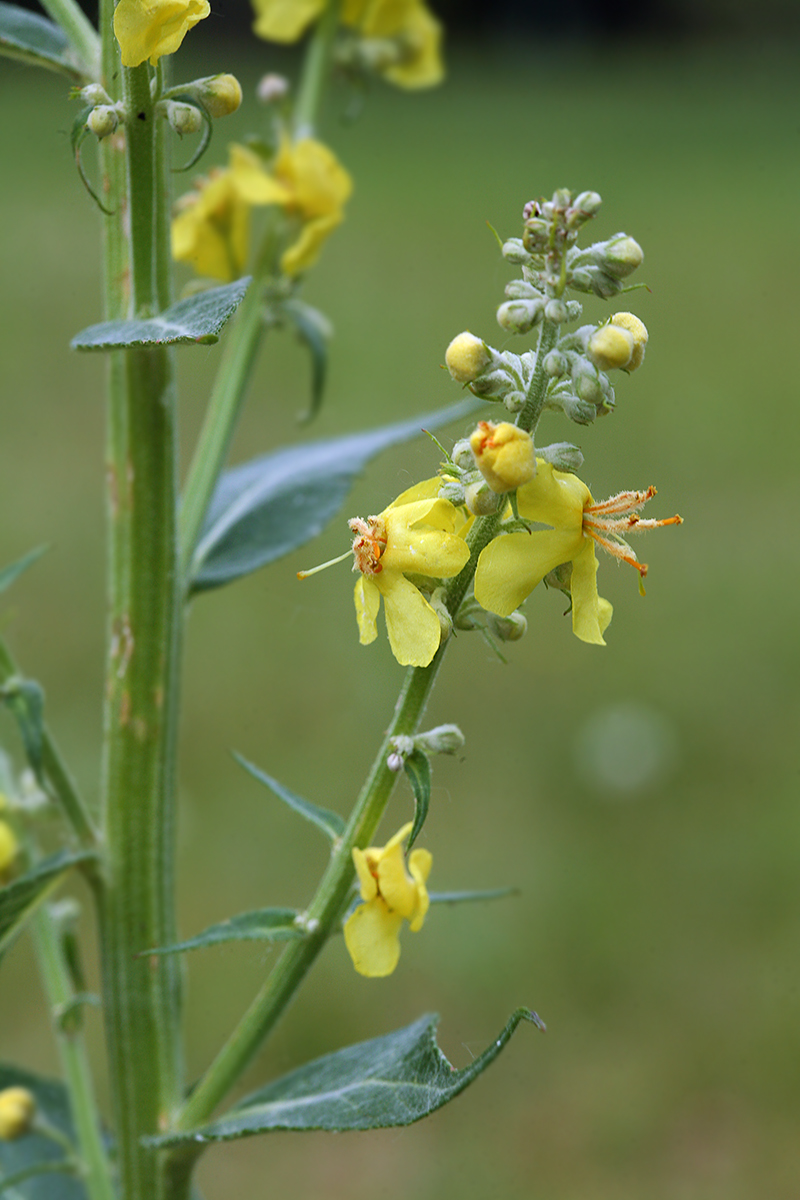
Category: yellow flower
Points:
column 510, row 567
column 411, row 56
column 212, row 228
column 414, row 535
column 391, row 895
column 153, row 28
column 17, row 1110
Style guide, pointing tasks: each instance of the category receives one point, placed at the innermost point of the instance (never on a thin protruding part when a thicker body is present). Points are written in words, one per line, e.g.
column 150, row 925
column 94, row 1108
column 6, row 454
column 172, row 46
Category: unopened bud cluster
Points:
column 490, row 374
column 442, row 739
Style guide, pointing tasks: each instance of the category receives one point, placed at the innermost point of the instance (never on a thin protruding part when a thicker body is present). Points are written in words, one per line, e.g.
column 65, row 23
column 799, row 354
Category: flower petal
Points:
column 285, row 20
column 252, row 180
column 413, row 627
column 367, row 881
column 371, row 936
column 419, row 866
column 590, row 614
column 304, row 252
column 399, row 892
column 510, row 567
column 153, row 28
column 368, row 601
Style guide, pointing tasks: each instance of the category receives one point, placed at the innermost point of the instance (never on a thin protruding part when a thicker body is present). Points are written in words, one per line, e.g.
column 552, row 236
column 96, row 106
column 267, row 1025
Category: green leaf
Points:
column 263, row 925
column 34, row 1153
column 20, row 899
column 25, row 699
column 196, row 320
column 275, row 503
column 35, row 40
column 12, row 572
column 331, row 824
column 314, row 330
column 392, row 1080
column 418, row 769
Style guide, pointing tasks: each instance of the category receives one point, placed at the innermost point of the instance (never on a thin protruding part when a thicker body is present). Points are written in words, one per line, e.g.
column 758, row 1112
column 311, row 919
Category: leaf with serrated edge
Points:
column 18, row 900
column 392, row 1080
column 273, row 504
column 331, row 824
column 12, row 572
column 36, row 1150
column 196, row 320
column 262, row 925
column 418, row 769
column 33, row 39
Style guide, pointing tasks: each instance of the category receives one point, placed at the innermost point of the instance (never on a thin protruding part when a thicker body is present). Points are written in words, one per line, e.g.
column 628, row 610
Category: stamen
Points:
column 617, row 550
column 605, row 522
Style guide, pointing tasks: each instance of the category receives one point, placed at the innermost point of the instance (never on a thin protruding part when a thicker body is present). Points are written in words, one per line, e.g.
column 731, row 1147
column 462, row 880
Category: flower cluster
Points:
column 211, row 230
column 391, row 895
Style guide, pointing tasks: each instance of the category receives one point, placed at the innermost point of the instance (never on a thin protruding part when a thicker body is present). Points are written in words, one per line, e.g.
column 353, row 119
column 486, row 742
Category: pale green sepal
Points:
column 33, row 39
column 262, row 925
column 12, row 572
column 392, row 1080
column 314, row 330
column 418, row 769
column 331, row 824
column 196, row 320
column 465, row 897
column 39, row 1164
column 20, row 899
column 25, row 700
column 273, row 504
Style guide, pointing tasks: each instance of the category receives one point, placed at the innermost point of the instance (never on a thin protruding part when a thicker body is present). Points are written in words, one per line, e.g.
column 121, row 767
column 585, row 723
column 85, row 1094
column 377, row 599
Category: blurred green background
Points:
column 643, row 797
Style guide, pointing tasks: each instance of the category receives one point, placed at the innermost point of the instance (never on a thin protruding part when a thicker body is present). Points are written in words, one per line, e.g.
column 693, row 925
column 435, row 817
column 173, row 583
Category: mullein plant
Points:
column 460, row 550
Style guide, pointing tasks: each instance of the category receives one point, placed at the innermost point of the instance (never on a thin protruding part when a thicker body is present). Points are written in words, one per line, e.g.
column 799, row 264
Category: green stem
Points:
column 83, row 1106
column 224, row 405
column 80, row 32
column 315, row 72
column 323, row 914
column 57, row 771
column 531, row 411
column 141, row 996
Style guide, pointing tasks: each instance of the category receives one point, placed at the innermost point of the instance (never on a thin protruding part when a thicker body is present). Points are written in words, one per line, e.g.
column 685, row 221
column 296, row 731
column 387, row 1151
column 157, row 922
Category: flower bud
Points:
column 102, row 120
column 480, row 499
column 395, row 762
column 17, row 1110
column 563, row 456
column 611, row 347
column 556, row 311
column 579, row 411
column 638, row 331
column 9, row 848
column 272, row 88
column 504, row 454
column 582, row 209
column 586, row 382
column 556, row 364
column 619, row 256
column 508, row 629
column 520, row 289
column 520, row 316
column 184, row 118
column 443, row 739
column 462, row 455
column 514, row 252
column 220, row 94
column 514, row 401
column 466, row 357
column 536, row 236
column 94, row 94
column 453, row 491
column 560, row 578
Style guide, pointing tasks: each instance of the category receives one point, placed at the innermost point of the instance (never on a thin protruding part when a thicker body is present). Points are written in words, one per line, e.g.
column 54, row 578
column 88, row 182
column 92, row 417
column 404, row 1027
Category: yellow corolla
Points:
column 212, row 228
column 391, row 895
column 411, row 58
column 413, row 536
column 153, row 28
column 510, row 567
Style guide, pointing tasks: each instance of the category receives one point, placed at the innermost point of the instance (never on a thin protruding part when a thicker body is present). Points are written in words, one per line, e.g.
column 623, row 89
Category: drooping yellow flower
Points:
column 411, row 56
column 391, row 895
column 413, row 536
column 153, row 28
column 212, row 228
column 510, row 567
column 504, row 454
